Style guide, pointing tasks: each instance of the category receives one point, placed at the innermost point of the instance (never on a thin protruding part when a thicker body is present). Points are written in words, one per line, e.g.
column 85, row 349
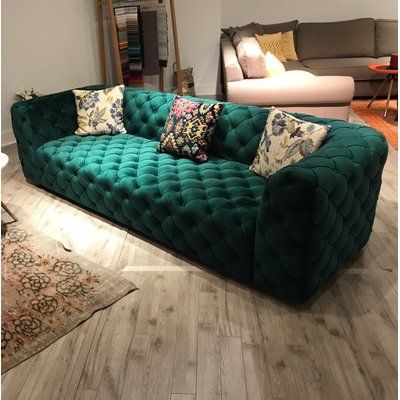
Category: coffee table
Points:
column 391, row 77
column 3, row 163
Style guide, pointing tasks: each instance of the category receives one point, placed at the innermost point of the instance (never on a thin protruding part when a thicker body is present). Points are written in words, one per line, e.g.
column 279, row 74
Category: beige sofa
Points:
column 318, row 83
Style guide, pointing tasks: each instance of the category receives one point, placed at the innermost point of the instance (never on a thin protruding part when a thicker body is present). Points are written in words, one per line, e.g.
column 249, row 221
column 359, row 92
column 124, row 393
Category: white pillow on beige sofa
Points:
column 251, row 58
column 273, row 67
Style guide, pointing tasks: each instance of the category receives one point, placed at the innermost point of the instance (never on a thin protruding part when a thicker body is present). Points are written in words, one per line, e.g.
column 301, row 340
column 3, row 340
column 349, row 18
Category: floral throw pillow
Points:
column 100, row 112
column 189, row 128
column 286, row 140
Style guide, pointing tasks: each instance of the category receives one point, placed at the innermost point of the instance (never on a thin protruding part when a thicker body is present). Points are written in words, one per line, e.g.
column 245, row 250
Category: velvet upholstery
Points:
column 285, row 235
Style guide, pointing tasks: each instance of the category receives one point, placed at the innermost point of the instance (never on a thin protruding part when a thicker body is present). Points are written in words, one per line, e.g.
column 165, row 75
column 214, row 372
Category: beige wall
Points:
column 50, row 45
column 240, row 12
column 199, row 24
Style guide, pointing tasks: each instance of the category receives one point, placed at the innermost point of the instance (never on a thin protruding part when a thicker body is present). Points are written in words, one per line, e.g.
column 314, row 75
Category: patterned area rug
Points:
column 47, row 291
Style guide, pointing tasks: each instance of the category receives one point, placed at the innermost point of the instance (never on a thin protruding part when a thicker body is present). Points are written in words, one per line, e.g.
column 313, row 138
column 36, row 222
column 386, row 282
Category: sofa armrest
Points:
column 41, row 120
column 45, row 118
column 231, row 67
column 316, row 214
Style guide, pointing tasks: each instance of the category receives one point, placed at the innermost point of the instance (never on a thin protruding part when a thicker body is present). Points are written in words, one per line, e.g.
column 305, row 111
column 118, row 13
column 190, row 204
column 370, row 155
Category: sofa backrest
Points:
column 355, row 38
column 385, row 37
column 236, row 135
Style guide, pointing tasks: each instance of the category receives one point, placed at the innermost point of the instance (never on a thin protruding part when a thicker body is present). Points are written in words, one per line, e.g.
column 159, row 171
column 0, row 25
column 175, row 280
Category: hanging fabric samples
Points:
column 134, row 46
column 162, row 25
column 141, row 38
column 122, row 29
column 128, row 27
column 148, row 18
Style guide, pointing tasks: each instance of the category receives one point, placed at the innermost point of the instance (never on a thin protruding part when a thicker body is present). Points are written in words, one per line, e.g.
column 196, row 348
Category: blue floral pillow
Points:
column 100, row 112
column 286, row 140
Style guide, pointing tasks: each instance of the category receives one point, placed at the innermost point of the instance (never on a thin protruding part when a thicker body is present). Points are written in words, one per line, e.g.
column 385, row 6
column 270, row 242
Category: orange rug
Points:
column 374, row 117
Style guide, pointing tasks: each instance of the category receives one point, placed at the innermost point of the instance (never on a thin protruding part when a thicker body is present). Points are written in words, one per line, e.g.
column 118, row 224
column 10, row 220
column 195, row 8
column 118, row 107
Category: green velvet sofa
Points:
column 285, row 235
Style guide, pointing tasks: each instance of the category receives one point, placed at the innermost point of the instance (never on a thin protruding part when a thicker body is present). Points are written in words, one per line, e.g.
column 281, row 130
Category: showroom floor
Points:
column 374, row 117
column 189, row 334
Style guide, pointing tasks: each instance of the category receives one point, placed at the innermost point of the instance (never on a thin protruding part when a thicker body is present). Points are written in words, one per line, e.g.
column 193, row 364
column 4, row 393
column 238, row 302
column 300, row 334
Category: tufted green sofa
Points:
column 285, row 235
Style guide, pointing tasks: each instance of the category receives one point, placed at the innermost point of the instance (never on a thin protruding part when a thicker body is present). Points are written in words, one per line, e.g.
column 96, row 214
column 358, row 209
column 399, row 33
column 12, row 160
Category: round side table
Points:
column 391, row 77
column 3, row 163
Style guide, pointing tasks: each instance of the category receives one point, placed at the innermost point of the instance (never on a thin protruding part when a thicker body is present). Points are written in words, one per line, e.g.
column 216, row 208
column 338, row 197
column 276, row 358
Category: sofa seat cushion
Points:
column 356, row 67
column 292, row 65
column 205, row 209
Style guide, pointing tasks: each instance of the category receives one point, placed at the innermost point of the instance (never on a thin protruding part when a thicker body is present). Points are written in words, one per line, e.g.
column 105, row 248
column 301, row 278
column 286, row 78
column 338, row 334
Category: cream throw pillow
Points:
column 273, row 67
column 286, row 140
column 100, row 112
column 288, row 47
column 273, row 44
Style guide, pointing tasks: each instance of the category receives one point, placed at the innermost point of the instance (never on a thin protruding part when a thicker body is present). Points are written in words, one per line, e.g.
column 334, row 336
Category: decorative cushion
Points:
column 288, row 47
column 273, row 67
column 273, row 44
column 385, row 37
column 234, row 29
column 251, row 58
column 189, row 128
column 100, row 111
column 275, row 28
column 238, row 34
column 341, row 39
column 285, row 141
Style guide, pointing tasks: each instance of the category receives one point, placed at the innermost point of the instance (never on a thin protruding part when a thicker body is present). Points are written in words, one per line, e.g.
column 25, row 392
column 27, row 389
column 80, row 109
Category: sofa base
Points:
column 369, row 88
column 297, row 91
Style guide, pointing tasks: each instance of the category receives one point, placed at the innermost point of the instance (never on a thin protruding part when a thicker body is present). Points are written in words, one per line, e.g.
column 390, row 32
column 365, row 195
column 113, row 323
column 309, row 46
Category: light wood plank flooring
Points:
column 189, row 334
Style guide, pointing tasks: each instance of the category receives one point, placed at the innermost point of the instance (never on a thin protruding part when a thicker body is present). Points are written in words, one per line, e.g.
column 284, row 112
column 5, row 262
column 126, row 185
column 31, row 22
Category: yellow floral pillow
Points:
column 100, row 112
column 287, row 46
column 273, row 44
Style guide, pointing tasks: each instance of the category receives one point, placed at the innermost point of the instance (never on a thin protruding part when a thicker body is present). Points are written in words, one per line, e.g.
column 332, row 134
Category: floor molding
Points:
column 7, row 137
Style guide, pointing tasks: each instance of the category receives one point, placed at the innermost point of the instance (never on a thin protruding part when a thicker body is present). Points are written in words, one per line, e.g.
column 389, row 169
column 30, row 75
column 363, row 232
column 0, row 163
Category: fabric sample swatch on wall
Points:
column 148, row 16
column 129, row 38
column 120, row 20
column 134, row 46
column 162, row 26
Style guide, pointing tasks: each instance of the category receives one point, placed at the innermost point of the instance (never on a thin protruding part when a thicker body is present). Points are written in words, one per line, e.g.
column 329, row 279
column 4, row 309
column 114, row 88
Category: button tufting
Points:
column 287, row 234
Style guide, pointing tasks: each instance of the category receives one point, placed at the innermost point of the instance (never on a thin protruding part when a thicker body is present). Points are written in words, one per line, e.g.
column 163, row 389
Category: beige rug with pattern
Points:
column 47, row 291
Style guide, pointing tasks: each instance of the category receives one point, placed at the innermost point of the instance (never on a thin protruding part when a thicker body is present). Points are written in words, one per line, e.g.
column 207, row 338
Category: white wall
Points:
column 240, row 12
column 50, row 45
column 199, row 25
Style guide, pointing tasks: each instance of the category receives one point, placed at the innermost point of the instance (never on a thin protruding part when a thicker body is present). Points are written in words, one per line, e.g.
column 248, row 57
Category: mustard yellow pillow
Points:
column 273, row 44
column 287, row 46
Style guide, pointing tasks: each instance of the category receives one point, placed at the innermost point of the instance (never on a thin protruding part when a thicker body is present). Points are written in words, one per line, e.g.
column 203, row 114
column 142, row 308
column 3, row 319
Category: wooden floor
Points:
column 188, row 334
column 374, row 117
